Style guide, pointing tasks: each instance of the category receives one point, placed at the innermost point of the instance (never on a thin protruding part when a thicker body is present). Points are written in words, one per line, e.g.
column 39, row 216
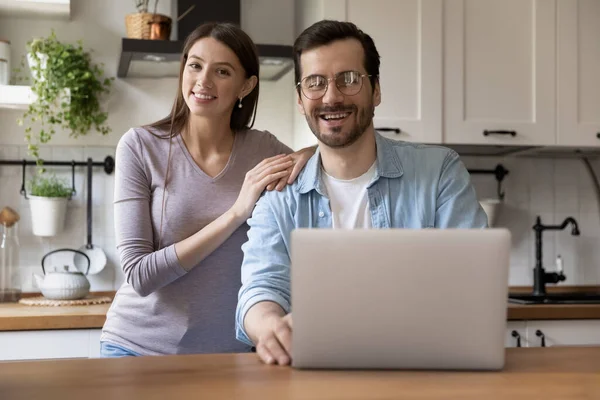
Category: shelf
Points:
column 58, row 9
column 15, row 97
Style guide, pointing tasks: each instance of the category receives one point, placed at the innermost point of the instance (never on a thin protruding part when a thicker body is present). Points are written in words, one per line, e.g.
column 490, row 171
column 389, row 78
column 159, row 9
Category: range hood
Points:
column 266, row 19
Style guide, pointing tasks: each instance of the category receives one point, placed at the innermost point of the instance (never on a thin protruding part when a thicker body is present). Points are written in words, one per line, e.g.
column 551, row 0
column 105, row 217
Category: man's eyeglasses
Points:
column 348, row 83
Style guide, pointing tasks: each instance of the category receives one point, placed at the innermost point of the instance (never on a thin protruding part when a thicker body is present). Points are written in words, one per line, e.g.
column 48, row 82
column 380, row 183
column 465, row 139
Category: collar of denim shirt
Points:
column 388, row 166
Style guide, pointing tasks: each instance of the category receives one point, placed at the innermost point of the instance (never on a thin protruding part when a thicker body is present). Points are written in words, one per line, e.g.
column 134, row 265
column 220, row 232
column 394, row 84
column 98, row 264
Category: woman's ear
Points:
column 249, row 86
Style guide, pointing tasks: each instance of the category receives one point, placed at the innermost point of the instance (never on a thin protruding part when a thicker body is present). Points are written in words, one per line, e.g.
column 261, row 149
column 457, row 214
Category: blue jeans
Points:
column 109, row 350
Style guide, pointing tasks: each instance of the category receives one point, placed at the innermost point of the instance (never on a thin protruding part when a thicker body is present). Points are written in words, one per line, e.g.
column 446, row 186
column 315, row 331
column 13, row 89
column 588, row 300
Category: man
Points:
column 356, row 179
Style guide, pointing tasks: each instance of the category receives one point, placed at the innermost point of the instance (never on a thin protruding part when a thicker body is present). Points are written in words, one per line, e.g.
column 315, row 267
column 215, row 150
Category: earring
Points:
column 240, row 103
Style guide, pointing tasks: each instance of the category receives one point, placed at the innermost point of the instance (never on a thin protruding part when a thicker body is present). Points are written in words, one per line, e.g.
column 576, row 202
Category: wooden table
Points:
column 531, row 373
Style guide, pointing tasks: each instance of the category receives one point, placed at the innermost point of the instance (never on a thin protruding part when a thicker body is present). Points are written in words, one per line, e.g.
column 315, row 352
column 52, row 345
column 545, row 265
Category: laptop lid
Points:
column 399, row 298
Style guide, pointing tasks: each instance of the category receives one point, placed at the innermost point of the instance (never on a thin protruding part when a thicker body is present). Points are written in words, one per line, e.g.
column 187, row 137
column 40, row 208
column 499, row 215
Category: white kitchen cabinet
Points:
column 518, row 339
column 408, row 36
column 578, row 72
column 47, row 344
column 55, row 9
column 563, row 333
column 500, row 71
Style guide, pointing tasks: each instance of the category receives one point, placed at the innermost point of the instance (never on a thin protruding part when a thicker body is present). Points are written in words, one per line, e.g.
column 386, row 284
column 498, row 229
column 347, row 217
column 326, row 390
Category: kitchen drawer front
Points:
column 563, row 333
column 49, row 344
column 520, row 327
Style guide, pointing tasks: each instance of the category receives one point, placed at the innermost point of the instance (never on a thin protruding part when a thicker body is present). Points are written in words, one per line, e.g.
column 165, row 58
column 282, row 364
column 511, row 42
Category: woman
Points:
column 184, row 187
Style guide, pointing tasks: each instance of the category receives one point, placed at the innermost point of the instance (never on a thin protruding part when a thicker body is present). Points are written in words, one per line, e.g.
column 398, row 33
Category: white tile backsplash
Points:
column 551, row 188
column 74, row 235
column 9, row 153
column 554, row 189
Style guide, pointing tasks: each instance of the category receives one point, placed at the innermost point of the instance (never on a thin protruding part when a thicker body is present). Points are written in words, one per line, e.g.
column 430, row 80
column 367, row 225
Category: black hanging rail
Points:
column 500, row 172
column 108, row 164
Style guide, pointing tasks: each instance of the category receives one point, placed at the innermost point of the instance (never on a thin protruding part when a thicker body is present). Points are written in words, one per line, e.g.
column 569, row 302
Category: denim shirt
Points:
column 415, row 186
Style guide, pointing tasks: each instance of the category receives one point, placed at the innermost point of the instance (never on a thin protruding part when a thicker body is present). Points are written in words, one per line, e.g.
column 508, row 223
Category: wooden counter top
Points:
column 18, row 317
column 552, row 311
column 551, row 373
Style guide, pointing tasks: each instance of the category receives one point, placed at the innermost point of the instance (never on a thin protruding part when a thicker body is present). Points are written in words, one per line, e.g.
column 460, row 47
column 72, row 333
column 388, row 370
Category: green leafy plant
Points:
column 68, row 88
column 49, row 186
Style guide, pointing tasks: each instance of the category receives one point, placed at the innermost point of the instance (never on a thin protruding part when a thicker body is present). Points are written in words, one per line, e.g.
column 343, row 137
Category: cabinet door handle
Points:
column 397, row 131
column 516, row 335
column 598, row 135
column 541, row 335
column 511, row 133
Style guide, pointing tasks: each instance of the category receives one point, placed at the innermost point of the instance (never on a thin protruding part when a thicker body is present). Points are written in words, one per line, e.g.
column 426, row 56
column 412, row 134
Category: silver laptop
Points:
column 399, row 298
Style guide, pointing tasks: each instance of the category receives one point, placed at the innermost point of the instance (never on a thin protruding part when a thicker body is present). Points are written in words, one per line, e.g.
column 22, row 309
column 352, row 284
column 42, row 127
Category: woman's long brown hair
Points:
column 241, row 118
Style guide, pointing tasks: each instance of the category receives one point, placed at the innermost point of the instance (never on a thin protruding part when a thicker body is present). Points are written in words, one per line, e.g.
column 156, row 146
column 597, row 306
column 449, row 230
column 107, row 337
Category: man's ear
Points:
column 299, row 103
column 376, row 94
column 249, row 86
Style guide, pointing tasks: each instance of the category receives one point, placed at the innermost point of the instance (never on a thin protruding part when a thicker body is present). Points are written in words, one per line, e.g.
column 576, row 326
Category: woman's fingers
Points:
column 281, row 183
column 295, row 172
column 272, row 178
column 268, row 162
column 271, row 170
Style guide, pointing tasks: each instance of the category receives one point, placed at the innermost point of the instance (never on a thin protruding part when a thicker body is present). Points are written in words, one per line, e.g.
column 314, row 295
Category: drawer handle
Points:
column 517, row 336
column 397, row 131
column 488, row 133
column 541, row 335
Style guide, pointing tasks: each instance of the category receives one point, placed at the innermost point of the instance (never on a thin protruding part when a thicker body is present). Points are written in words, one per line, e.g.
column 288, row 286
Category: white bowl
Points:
column 491, row 206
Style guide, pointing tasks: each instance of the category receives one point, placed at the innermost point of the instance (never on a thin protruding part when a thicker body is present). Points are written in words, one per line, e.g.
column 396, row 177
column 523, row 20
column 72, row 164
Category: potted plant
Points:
column 68, row 88
column 48, row 201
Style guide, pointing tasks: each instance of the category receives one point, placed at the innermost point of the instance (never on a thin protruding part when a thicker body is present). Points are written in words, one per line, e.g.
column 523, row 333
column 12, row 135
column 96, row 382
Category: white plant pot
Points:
column 31, row 62
column 48, row 215
column 65, row 94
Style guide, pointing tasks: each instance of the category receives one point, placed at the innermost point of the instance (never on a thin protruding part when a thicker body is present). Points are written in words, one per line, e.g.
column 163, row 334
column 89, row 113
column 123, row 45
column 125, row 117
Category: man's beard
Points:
column 336, row 138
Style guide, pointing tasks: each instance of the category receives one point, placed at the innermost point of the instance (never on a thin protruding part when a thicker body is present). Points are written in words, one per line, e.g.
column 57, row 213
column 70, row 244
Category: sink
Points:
column 555, row 298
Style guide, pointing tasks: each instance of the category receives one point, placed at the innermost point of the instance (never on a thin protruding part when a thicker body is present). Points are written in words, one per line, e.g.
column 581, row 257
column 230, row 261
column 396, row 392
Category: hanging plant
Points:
column 68, row 88
column 48, row 198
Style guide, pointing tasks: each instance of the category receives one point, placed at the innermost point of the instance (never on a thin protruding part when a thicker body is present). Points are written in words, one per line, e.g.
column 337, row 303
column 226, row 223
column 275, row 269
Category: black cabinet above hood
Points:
column 160, row 58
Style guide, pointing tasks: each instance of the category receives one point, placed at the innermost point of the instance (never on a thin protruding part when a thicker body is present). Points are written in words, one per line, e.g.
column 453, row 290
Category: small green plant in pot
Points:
column 48, row 198
column 68, row 89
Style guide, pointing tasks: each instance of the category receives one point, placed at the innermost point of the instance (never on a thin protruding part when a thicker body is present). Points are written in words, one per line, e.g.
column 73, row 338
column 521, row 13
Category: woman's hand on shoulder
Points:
column 300, row 158
column 268, row 171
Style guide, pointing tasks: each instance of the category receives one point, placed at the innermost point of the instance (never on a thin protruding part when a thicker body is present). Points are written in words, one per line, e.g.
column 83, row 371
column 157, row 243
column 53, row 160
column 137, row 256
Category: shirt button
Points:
column 321, row 214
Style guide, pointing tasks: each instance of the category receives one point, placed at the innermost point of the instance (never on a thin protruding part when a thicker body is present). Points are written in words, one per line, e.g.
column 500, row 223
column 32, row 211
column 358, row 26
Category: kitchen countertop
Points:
column 17, row 317
column 550, row 373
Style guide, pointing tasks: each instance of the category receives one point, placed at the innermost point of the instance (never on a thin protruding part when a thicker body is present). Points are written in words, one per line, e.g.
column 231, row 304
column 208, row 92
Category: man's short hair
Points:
column 326, row 31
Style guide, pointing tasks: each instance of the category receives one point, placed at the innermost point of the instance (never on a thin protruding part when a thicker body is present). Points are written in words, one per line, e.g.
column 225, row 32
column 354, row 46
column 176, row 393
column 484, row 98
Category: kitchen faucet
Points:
column 540, row 276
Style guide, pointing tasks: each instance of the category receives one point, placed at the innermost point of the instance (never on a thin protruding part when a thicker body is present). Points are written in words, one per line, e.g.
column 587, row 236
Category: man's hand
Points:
column 274, row 345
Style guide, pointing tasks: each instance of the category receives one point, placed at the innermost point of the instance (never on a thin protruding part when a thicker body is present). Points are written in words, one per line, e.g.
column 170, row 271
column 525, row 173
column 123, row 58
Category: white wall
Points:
column 100, row 25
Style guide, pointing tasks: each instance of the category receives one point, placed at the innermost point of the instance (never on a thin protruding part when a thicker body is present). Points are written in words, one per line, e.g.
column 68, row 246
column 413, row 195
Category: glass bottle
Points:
column 10, row 279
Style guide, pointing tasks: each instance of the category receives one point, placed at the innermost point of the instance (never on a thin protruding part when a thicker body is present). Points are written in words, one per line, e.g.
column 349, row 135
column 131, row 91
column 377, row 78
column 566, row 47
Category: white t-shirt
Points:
column 349, row 200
